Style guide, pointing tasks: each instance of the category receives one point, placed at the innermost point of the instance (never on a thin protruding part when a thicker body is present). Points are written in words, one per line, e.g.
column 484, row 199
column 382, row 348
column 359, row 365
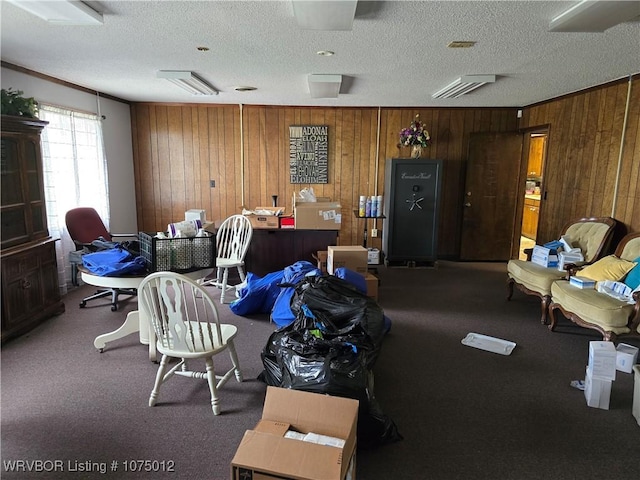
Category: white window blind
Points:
column 75, row 174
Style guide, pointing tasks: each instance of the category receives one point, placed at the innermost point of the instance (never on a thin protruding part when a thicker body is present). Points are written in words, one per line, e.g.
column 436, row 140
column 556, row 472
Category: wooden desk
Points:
column 273, row 250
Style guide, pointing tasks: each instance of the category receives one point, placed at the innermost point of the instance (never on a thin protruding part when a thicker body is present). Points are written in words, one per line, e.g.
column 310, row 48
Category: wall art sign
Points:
column 308, row 153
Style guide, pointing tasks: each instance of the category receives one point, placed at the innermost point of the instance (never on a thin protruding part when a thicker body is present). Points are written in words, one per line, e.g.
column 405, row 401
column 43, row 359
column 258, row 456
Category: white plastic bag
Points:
column 307, row 195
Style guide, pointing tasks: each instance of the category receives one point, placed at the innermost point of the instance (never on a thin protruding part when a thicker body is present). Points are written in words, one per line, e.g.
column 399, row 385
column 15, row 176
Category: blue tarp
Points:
column 259, row 295
column 114, row 262
column 281, row 314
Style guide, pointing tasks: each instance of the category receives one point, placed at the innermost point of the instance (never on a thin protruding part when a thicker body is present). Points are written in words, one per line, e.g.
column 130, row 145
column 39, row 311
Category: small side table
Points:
column 366, row 219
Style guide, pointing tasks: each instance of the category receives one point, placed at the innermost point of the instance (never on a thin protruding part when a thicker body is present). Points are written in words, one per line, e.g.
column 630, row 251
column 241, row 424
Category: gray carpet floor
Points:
column 464, row 413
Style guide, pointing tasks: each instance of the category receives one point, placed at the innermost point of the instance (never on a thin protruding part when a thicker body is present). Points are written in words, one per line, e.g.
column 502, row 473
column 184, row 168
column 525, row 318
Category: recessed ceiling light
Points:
column 325, row 53
column 461, row 44
column 244, row 88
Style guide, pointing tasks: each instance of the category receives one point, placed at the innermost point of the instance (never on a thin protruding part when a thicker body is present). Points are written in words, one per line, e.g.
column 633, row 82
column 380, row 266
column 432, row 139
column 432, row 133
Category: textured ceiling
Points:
column 395, row 55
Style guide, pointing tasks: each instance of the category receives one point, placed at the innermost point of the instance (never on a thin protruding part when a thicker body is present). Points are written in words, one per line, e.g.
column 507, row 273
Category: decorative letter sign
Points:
column 308, row 153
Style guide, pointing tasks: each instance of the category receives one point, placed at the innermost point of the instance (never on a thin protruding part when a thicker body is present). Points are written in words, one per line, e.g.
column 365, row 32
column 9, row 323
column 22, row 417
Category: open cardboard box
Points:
column 264, row 453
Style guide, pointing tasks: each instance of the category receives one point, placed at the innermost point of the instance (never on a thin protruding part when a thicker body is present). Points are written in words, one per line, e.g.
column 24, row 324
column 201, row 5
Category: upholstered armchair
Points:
column 593, row 237
column 589, row 308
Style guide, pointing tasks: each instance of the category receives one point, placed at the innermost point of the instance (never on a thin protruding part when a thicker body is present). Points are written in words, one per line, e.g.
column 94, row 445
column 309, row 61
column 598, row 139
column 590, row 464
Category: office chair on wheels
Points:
column 87, row 231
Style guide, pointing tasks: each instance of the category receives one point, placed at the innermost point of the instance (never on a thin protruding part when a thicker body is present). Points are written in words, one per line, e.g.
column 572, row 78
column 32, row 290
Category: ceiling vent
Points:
column 61, row 12
column 463, row 85
column 461, row 44
column 595, row 16
column 188, row 81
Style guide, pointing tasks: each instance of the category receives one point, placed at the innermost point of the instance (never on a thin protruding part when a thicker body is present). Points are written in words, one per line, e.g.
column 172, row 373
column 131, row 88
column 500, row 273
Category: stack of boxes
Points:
column 545, row 256
column 604, row 359
column 353, row 257
column 601, row 371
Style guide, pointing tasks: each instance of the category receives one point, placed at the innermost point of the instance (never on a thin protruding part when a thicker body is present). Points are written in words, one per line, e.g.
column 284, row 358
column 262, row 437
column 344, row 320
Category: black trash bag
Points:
column 375, row 428
column 328, row 354
column 300, row 360
column 339, row 306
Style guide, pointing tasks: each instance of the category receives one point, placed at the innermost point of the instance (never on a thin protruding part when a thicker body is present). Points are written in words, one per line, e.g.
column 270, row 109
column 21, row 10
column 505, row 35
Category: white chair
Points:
column 185, row 320
column 232, row 242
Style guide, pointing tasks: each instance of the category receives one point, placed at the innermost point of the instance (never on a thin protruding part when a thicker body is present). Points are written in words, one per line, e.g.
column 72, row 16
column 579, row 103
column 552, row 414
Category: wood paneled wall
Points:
column 585, row 175
column 179, row 149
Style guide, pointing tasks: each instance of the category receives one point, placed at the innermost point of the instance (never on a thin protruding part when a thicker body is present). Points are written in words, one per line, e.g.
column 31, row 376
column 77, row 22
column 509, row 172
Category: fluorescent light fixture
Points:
column 595, row 16
column 324, row 86
column 189, row 81
column 463, row 85
column 61, row 12
column 325, row 15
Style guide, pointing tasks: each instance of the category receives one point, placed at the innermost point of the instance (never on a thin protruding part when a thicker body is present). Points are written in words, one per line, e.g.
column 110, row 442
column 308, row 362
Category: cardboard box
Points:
column 602, row 360
column 353, row 257
column 597, row 391
column 287, row 222
column 265, row 453
column 544, row 256
column 582, row 282
column 321, row 258
column 372, row 285
column 373, row 256
column 264, row 222
column 626, row 357
column 269, row 222
column 195, row 214
column 318, row 216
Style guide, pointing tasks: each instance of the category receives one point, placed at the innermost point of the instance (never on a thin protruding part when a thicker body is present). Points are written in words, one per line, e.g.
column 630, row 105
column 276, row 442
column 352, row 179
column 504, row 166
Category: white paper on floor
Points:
column 490, row 344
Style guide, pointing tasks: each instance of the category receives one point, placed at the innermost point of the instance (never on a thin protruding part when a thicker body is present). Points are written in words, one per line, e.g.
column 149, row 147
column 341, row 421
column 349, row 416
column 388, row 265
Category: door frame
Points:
column 524, row 158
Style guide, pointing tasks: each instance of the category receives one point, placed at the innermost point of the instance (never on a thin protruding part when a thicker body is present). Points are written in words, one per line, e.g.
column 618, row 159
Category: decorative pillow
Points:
column 607, row 268
column 633, row 278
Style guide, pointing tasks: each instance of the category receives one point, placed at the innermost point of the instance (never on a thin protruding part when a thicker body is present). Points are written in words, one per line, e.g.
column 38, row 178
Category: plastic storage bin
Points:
column 180, row 255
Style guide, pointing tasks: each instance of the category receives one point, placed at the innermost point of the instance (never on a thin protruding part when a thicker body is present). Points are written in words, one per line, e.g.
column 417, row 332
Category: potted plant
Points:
column 13, row 103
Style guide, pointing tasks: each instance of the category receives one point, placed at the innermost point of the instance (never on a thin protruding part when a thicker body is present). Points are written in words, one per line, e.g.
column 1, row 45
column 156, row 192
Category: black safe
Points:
column 411, row 201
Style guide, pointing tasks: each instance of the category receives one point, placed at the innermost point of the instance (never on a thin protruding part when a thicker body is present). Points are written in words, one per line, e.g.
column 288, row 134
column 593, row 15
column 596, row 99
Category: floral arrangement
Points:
column 415, row 134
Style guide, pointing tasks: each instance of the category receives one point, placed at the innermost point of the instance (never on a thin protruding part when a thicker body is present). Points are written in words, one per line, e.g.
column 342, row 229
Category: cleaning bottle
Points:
column 202, row 252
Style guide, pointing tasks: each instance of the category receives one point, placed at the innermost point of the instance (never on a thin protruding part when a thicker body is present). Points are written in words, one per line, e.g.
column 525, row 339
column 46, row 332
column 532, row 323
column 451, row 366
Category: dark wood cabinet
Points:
column 273, row 250
column 30, row 292
column 530, row 218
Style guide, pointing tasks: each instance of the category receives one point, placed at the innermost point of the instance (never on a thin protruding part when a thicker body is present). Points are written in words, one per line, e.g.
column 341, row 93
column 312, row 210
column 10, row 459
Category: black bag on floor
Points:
column 330, row 348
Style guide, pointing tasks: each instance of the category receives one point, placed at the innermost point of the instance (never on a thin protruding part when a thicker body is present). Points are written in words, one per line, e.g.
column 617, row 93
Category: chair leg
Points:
column 98, row 294
column 159, row 380
column 544, row 306
column 241, row 273
column 234, row 360
column 211, row 380
column 225, row 277
column 552, row 317
column 510, row 288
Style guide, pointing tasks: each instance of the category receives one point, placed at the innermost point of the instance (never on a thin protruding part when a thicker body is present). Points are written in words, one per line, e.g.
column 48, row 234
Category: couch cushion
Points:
column 533, row 276
column 592, row 306
column 607, row 268
column 632, row 280
column 588, row 236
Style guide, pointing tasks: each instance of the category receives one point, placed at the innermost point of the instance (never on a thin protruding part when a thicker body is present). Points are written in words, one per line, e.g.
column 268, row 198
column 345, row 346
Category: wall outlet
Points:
column 212, row 183
column 374, row 232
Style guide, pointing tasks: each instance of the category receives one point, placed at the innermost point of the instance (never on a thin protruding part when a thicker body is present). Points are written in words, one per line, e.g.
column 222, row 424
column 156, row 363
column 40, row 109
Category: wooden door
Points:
column 491, row 200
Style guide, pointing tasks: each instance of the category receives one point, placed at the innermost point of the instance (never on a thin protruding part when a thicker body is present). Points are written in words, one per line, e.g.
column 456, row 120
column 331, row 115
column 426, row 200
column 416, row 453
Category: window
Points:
column 75, row 174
